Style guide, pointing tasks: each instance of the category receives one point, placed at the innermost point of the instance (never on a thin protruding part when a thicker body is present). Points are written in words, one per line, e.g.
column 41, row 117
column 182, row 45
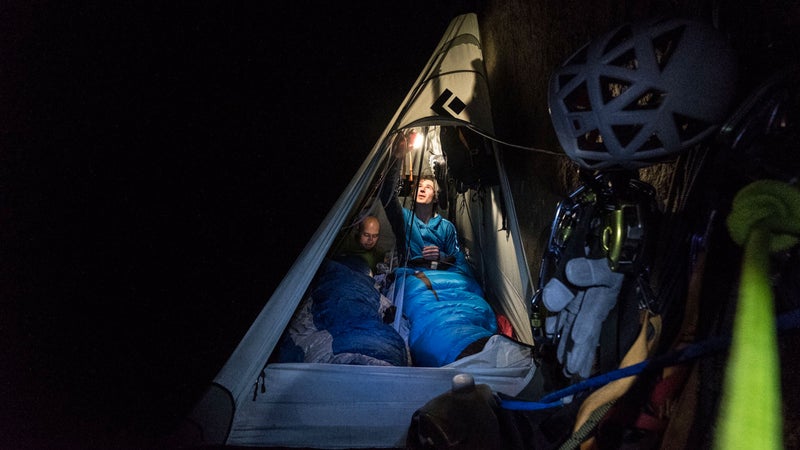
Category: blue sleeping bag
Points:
column 445, row 318
column 346, row 322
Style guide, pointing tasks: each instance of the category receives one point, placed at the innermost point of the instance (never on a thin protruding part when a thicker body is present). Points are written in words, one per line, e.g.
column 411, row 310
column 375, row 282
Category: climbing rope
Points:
column 765, row 217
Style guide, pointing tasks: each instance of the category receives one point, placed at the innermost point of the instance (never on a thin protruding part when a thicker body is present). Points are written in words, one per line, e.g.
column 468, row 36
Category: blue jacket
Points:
column 439, row 232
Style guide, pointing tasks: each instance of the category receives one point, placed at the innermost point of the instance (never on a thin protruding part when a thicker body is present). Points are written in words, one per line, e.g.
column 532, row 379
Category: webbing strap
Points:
column 421, row 275
column 641, row 349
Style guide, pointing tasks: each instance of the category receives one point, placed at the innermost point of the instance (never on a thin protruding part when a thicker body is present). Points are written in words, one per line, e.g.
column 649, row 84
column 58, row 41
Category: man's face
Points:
column 369, row 235
column 426, row 191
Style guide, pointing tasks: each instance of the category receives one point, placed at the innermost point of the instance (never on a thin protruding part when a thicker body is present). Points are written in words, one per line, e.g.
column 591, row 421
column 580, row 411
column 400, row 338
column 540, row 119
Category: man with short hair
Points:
column 431, row 237
column 369, row 231
column 362, row 247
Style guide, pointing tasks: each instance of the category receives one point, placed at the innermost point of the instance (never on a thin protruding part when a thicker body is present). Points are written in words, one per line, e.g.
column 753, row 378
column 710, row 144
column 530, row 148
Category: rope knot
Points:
column 770, row 205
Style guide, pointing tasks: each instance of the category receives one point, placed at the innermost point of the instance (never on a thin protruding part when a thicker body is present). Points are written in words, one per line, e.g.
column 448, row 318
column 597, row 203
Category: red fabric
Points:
column 504, row 325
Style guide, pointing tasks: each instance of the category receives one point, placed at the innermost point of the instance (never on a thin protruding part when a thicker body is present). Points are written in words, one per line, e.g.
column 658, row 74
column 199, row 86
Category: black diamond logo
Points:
column 455, row 104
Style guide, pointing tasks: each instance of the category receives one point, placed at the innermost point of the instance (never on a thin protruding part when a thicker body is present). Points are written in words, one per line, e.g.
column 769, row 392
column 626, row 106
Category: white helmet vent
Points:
column 578, row 99
column 620, row 37
column 651, row 99
column 626, row 60
column 665, row 44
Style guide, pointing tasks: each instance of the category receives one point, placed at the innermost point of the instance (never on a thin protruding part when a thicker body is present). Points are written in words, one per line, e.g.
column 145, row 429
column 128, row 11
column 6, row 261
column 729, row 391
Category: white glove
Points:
column 581, row 315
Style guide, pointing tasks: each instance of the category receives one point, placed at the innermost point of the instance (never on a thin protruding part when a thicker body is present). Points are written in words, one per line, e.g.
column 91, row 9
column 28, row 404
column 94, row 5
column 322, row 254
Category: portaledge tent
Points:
column 350, row 406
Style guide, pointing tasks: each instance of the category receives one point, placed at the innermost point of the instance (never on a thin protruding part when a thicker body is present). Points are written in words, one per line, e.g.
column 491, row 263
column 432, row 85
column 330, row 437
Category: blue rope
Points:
column 786, row 321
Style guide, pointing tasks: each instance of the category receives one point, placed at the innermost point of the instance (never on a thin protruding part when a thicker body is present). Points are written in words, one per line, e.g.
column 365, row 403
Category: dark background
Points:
column 161, row 167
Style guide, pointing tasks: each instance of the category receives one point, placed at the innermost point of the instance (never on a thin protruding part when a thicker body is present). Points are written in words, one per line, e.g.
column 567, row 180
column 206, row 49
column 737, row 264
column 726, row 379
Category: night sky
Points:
column 161, row 167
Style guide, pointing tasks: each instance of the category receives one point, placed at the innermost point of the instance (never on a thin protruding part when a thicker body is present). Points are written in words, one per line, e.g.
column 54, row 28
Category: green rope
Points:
column 765, row 217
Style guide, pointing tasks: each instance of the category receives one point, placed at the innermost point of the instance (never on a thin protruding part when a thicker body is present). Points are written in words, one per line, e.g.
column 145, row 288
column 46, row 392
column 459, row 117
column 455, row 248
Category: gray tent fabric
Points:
column 349, row 406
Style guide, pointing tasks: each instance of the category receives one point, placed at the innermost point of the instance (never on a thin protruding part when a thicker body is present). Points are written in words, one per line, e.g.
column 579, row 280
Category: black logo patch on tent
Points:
column 455, row 105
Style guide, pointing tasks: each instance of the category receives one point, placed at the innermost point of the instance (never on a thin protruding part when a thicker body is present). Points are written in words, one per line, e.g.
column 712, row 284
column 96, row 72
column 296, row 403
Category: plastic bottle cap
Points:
column 463, row 382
